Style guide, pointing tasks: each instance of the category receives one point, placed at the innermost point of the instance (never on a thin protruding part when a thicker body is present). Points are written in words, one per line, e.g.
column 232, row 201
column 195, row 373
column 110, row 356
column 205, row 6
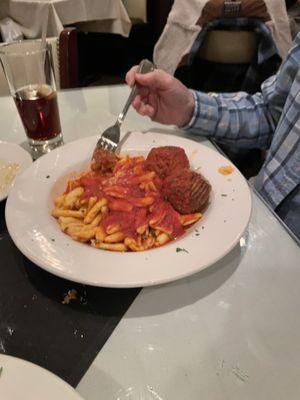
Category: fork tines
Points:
column 107, row 144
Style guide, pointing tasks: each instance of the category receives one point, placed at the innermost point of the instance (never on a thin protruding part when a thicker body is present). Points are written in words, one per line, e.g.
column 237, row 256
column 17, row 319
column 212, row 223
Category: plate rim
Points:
column 52, row 375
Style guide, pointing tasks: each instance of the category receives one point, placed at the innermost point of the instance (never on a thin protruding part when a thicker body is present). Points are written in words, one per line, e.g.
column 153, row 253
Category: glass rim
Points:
column 22, row 53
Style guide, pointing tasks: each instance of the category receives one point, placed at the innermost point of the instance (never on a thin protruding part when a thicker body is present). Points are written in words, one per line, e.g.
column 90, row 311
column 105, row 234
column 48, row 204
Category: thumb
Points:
column 158, row 79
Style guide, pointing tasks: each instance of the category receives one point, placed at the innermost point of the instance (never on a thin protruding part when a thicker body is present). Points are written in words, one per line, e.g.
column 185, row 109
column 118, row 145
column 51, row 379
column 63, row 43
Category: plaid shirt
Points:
column 268, row 120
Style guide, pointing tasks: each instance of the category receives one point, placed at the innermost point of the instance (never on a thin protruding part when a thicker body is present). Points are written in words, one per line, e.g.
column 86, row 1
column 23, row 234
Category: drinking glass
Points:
column 29, row 72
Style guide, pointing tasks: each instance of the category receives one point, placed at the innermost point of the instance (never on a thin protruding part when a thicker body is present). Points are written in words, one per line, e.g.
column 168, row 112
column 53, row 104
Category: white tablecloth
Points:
column 91, row 15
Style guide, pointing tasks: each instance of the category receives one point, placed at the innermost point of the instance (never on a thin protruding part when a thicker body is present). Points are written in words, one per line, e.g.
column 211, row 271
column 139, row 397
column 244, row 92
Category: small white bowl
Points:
column 13, row 154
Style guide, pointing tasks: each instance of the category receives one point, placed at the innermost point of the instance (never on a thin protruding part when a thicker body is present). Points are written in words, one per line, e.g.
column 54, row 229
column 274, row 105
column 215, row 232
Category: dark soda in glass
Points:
column 38, row 108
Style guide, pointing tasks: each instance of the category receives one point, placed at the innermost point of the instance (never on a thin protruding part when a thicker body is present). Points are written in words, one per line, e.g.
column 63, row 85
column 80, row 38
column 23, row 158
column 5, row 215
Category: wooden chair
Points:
column 64, row 58
column 68, row 58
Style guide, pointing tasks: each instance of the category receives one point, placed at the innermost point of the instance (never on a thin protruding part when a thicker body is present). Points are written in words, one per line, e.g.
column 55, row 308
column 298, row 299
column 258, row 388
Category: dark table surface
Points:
column 36, row 323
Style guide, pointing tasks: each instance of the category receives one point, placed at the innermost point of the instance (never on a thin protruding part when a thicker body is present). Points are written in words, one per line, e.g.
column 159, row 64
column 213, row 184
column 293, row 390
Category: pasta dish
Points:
column 134, row 203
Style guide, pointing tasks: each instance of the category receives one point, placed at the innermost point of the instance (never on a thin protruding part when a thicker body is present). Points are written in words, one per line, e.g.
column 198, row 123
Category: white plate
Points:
column 13, row 153
column 39, row 238
column 22, row 380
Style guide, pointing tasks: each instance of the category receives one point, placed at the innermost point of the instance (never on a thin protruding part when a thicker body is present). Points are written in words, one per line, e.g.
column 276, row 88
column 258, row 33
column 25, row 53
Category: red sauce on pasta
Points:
column 92, row 184
column 134, row 198
column 129, row 206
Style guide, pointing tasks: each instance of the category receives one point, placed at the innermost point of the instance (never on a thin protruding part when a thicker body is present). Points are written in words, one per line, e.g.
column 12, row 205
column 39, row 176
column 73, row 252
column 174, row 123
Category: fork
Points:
column 110, row 138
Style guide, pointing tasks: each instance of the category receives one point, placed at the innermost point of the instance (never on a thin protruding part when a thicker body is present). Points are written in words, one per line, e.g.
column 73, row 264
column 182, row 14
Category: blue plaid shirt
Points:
column 268, row 120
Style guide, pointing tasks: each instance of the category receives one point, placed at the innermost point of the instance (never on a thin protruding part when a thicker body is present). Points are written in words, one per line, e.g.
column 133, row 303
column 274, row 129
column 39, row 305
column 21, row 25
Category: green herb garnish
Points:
column 178, row 249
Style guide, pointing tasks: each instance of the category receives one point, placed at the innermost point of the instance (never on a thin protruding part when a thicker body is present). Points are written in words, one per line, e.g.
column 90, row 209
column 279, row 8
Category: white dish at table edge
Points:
column 39, row 238
column 23, row 380
column 12, row 153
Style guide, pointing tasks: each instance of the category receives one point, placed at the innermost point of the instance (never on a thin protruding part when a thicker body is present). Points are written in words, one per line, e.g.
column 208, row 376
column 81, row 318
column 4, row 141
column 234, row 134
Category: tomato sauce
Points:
column 134, row 198
column 93, row 186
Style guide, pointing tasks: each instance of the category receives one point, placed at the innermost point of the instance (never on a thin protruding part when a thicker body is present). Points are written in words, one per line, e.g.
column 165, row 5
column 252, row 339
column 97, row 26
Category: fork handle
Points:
column 144, row 67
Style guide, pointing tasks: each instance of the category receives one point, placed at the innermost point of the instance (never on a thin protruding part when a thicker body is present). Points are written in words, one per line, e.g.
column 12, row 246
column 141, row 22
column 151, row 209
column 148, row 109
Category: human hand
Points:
column 161, row 97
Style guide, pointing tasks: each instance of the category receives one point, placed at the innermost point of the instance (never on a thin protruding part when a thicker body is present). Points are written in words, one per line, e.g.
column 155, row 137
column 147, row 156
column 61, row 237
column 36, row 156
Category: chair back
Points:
column 229, row 47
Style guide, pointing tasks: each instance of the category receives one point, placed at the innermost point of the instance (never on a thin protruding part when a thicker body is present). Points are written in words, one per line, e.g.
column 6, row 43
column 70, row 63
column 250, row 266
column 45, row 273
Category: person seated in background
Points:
column 269, row 119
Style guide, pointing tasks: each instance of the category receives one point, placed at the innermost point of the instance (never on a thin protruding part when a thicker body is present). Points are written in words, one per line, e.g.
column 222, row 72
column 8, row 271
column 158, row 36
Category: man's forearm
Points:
column 239, row 119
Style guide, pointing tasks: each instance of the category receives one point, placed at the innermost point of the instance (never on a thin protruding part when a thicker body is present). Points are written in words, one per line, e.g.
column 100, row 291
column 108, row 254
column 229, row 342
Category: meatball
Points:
column 164, row 160
column 186, row 190
column 103, row 161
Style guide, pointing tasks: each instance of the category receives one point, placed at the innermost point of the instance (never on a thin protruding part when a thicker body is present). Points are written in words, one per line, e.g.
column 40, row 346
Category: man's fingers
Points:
column 139, row 99
column 136, row 102
column 143, row 92
column 141, row 106
column 157, row 79
column 147, row 110
column 130, row 76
